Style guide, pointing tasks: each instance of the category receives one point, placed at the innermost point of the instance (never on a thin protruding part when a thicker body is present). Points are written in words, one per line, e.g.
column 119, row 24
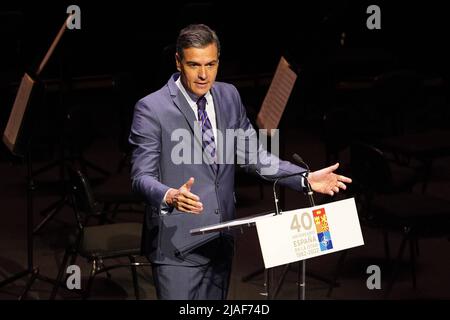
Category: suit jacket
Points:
column 166, row 238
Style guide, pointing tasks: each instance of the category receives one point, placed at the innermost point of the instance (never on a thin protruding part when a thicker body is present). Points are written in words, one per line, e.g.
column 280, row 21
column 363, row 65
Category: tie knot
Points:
column 201, row 103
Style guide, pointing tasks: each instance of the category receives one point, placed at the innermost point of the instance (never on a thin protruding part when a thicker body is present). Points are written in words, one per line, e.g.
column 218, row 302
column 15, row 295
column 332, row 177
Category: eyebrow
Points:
column 196, row 63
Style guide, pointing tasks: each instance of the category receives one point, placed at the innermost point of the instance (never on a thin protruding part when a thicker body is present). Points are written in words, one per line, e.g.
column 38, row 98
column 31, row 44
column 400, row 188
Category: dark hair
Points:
column 196, row 36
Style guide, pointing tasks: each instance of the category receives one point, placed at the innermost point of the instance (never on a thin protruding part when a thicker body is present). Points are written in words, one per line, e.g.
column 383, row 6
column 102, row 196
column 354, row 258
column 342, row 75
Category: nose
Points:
column 202, row 74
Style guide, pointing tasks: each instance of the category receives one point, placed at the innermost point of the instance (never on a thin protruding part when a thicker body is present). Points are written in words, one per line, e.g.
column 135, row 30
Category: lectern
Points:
column 300, row 234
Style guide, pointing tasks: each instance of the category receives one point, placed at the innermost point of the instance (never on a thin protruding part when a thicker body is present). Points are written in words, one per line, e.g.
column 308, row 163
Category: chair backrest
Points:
column 370, row 168
column 82, row 194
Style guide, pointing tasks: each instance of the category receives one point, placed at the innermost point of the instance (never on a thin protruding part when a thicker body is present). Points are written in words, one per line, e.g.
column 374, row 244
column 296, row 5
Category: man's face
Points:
column 198, row 68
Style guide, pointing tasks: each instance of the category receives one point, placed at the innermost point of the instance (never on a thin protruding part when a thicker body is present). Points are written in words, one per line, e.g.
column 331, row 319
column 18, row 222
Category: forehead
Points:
column 205, row 54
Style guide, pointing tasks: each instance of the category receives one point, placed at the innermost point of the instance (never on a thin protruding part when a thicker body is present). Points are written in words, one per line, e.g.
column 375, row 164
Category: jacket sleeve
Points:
column 253, row 157
column 145, row 139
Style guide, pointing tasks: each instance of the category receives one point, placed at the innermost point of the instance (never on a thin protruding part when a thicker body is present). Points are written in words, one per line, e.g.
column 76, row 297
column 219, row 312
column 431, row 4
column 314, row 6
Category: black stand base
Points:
column 33, row 275
column 32, row 271
column 330, row 282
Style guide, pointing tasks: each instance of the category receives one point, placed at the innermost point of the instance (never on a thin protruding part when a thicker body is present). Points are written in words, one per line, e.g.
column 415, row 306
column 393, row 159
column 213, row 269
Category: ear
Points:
column 178, row 61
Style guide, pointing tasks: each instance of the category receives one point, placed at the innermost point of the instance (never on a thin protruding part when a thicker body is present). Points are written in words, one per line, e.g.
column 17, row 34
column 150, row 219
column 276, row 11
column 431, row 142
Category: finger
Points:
column 191, row 209
column 344, row 179
column 333, row 167
column 335, row 189
column 181, row 208
column 342, row 185
column 189, row 183
column 193, row 203
column 189, row 195
column 182, row 200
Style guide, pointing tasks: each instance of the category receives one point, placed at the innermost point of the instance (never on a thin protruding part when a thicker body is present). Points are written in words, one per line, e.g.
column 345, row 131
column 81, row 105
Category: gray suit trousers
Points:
column 206, row 282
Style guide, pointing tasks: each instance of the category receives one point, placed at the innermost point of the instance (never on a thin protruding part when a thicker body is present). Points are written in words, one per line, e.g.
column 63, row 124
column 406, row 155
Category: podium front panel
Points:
column 310, row 232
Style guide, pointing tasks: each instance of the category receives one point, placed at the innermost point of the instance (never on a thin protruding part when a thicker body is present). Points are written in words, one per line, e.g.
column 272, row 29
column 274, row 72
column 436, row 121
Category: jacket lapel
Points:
column 181, row 103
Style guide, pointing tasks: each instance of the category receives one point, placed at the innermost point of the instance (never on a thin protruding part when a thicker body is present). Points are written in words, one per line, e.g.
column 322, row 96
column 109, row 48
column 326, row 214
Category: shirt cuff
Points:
column 165, row 208
column 304, row 181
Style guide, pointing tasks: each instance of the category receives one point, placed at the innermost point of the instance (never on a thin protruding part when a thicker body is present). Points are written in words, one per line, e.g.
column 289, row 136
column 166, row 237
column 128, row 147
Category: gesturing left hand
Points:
column 326, row 181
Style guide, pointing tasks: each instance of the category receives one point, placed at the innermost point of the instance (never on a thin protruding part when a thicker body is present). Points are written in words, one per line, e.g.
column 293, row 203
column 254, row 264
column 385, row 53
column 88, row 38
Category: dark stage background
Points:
column 133, row 44
column 354, row 85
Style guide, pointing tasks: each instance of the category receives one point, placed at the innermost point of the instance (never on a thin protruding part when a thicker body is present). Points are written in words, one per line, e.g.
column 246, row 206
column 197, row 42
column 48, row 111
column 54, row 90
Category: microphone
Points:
column 300, row 161
column 309, row 191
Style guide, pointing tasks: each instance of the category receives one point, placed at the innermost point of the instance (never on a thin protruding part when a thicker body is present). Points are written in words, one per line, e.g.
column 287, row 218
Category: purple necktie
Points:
column 209, row 145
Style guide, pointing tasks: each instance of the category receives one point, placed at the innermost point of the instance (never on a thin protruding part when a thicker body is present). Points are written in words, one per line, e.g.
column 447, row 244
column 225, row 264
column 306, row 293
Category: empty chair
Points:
column 116, row 196
column 98, row 243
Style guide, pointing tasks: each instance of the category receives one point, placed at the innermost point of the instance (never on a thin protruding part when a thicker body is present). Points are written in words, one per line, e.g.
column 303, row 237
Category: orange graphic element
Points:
column 320, row 220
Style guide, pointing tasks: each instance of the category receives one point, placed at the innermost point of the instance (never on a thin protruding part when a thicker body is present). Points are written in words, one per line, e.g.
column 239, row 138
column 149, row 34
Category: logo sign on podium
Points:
column 310, row 232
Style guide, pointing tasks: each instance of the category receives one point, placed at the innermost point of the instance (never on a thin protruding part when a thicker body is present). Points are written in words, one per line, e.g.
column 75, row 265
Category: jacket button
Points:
column 217, row 211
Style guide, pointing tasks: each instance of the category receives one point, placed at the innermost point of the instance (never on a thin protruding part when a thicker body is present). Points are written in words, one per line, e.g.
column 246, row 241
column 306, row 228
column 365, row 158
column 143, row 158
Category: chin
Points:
column 201, row 93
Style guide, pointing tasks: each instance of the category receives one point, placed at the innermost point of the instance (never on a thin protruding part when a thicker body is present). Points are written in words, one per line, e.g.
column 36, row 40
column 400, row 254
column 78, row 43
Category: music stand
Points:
column 17, row 137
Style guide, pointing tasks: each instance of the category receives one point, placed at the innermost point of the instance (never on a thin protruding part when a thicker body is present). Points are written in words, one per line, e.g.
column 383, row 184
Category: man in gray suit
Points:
column 171, row 127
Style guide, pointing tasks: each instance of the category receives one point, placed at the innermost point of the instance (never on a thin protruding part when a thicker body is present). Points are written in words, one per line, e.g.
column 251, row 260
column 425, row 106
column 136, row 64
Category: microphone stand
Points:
column 302, row 266
column 267, row 273
column 301, row 273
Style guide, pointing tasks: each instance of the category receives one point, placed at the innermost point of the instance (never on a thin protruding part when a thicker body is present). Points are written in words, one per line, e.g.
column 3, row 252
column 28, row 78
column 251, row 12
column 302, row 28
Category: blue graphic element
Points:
column 325, row 241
